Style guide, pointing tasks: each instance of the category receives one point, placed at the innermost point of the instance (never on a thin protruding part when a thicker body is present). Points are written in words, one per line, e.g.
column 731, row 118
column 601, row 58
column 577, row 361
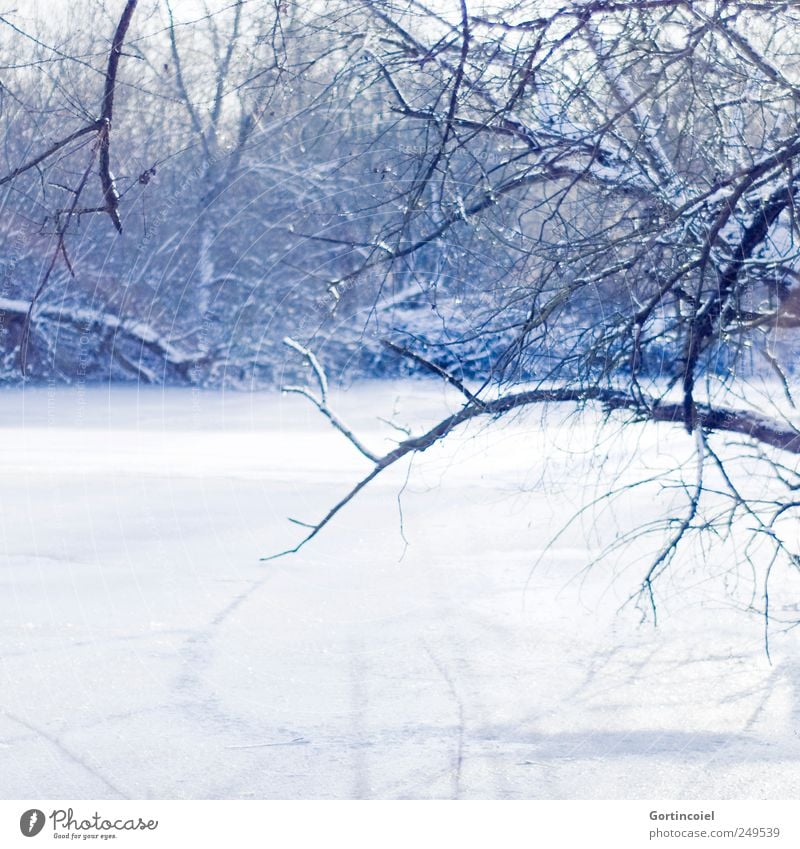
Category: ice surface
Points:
column 147, row 653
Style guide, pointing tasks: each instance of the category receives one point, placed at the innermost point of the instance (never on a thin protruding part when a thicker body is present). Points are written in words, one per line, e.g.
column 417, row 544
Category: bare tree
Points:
column 633, row 168
column 208, row 105
column 99, row 157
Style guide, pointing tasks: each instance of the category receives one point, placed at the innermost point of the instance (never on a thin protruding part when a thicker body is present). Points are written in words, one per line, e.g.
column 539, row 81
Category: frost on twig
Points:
column 319, row 372
column 321, row 401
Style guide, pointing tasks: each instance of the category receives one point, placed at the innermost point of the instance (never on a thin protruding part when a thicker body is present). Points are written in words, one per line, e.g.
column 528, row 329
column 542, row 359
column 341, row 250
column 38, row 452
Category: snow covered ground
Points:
column 425, row 645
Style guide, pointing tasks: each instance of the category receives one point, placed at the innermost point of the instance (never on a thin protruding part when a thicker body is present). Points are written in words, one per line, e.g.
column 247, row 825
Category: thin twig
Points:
column 321, row 402
column 432, row 367
column 758, row 427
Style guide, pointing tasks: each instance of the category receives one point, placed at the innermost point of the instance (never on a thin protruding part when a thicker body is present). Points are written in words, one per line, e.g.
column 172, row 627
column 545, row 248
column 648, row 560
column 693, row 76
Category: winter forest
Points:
column 400, row 397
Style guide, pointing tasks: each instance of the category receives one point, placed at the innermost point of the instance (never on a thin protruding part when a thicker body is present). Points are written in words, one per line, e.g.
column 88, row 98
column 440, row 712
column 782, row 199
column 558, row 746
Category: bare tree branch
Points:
column 110, row 193
column 754, row 425
column 321, row 401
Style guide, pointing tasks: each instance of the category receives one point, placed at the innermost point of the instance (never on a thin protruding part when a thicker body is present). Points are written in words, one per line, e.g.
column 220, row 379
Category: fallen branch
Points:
column 116, row 329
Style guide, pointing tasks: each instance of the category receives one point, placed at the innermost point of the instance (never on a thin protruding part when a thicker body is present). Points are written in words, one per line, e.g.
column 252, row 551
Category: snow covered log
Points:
column 75, row 343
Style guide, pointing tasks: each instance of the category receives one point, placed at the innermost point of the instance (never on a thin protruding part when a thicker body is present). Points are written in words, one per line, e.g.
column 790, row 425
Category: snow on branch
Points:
column 321, row 401
column 319, row 372
column 118, row 329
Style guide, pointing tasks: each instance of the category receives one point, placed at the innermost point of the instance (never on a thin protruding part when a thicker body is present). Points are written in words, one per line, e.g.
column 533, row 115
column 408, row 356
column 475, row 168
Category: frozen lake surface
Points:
column 427, row 644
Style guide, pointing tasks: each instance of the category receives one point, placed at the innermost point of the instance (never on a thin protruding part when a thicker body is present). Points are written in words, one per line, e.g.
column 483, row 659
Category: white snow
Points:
column 148, row 653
